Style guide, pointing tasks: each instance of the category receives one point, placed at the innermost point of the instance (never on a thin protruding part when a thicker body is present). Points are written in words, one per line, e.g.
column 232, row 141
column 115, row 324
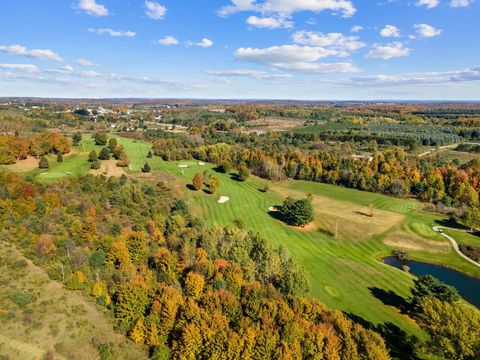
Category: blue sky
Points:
column 276, row 49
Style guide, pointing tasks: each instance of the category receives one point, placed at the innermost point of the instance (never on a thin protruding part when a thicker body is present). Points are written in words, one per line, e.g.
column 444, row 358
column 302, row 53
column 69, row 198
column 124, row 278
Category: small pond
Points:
column 468, row 287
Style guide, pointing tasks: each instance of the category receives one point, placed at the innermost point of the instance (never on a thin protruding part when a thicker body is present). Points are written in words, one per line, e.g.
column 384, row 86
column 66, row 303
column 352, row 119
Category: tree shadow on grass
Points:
column 326, row 232
column 190, row 187
column 399, row 343
column 451, row 223
column 276, row 214
column 390, row 298
column 235, row 177
column 363, row 213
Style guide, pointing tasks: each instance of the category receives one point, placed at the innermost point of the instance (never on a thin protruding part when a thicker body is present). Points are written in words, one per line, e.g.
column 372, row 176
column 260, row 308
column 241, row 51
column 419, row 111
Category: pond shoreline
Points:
column 467, row 286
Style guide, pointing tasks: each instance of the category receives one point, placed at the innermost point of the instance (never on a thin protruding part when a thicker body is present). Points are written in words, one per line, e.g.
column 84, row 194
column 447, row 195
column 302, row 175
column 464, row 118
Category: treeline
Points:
column 177, row 288
column 471, row 148
column 392, row 133
column 14, row 148
column 389, row 172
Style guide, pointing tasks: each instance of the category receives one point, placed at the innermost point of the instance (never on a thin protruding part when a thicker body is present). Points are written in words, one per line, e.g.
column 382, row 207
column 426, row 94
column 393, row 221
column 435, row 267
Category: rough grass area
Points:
column 109, row 168
column 448, row 155
column 37, row 315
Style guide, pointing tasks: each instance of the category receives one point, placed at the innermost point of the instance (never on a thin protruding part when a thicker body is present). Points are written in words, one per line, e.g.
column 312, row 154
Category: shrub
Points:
column 92, row 156
column 76, row 138
column 214, row 184
column 225, row 167
column 43, row 163
column 197, row 181
column 146, row 168
column 297, row 212
column 104, row 154
column 243, row 173
column 100, row 139
column 22, row 298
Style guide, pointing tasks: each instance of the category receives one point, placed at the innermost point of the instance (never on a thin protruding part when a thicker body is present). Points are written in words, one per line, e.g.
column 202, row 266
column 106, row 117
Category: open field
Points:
column 38, row 315
column 345, row 271
column 451, row 154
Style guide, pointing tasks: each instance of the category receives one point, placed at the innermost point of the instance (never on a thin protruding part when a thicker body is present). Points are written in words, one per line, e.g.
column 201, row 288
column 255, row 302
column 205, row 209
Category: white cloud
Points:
column 40, row 54
column 205, row 43
column 295, row 58
column 256, row 74
column 155, row 10
column 270, row 22
column 429, row 4
column 28, row 68
column 167, row 41
column 92, row 8
column 114, row 33
column 67, row 69
column 428, row 78
column 356, row 29
column 221, row 80
column 287, row 7
column 344, row 44
column 390, row 31
column 388, row 51
column 426, row 31
column 84, row 62
column 91, row 79
column 460, row 3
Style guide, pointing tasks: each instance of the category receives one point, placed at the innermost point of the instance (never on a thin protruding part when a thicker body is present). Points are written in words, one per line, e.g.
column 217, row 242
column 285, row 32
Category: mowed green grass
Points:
column 345, row 272
column 77, row 163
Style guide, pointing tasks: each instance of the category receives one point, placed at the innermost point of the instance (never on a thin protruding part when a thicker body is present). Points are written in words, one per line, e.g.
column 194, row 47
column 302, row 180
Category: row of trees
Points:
column 114, row 149
column 14, row 148
column 211, row 182
column 390, row 172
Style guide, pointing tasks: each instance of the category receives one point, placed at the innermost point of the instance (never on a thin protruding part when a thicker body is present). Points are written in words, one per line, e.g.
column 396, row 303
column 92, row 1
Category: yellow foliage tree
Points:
column 138, row 332
column 89, row 232
column 194, row 285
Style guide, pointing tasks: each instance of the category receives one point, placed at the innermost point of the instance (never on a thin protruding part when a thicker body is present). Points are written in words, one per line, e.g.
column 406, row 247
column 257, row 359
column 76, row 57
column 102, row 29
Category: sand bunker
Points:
column 183, row 166
column 201, row 163
column 272, row 208
column 223, row 199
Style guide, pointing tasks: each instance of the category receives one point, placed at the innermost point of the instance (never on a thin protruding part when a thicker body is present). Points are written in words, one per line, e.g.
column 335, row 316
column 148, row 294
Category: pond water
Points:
column 468, row 287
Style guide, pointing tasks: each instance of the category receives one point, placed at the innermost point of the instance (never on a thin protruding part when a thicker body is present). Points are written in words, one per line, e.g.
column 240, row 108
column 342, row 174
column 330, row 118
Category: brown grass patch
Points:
column 414, row 242
column 55, row 317
column 28, row 164
column 350, row 221
column 307, row 228
column 274, row 124
column 109, row 168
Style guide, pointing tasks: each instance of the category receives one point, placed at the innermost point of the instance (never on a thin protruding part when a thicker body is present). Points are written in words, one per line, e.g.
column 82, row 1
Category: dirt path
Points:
column 454, row 243
column 434, row 150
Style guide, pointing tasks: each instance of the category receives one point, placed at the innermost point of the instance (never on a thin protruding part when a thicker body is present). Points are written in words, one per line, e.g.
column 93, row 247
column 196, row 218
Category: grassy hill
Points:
column 38, row 315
